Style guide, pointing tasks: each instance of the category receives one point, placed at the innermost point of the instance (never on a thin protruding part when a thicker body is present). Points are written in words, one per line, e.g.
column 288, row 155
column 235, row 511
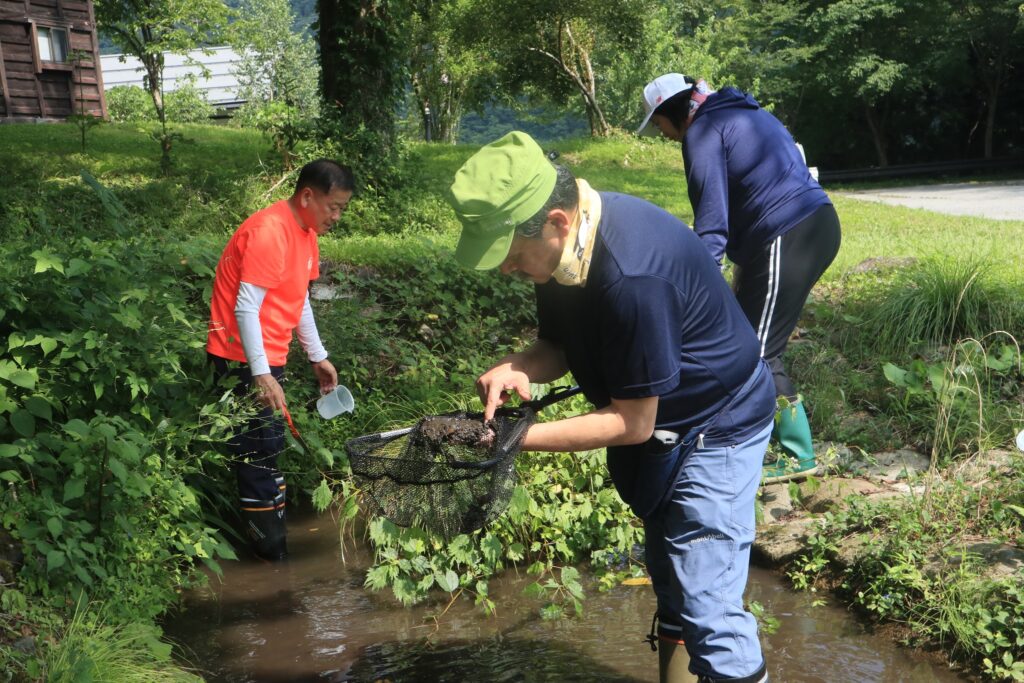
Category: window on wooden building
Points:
column 53, row 44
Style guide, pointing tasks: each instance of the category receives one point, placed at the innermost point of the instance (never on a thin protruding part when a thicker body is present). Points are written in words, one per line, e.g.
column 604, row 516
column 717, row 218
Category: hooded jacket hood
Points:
column 727, row 98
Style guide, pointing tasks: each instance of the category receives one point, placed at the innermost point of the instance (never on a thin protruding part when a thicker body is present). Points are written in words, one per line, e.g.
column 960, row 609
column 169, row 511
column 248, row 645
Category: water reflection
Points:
column 311, row 620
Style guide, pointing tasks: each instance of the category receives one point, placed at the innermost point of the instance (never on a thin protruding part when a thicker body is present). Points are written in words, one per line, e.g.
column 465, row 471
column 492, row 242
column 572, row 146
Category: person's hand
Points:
column 269, row 392
column 495, row 387
column 326, row 375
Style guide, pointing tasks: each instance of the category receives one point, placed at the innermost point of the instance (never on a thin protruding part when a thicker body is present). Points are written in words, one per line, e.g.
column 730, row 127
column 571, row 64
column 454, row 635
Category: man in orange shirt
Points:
column 260, row 295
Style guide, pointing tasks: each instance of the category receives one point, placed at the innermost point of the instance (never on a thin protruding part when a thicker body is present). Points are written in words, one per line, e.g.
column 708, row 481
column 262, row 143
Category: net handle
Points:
column 526, row 407
column 553, row 396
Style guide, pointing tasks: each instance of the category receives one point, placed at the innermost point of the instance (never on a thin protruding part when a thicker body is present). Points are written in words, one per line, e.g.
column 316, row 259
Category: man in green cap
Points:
column 631, row 304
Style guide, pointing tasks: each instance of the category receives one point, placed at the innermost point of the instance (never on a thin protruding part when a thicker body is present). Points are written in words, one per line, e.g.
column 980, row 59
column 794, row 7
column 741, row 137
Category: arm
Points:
column 309, row 338
column 707, row 183
column 539, row 363
column 247, row 314
column 624, row 422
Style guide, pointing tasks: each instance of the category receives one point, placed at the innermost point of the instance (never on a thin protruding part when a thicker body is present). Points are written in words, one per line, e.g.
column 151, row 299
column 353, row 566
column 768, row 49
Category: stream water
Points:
column 310, row 619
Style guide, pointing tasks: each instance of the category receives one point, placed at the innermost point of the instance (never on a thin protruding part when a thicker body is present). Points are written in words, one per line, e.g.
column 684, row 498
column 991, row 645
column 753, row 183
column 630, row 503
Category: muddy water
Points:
column 310, row 620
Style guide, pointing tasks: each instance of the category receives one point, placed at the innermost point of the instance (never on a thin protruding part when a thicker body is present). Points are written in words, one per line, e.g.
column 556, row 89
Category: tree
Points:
column 447, row 75
column 147, row 29
column 994, row 30
column 557, row 50
column 875, row 53
column 276, row 62
column 362, row 59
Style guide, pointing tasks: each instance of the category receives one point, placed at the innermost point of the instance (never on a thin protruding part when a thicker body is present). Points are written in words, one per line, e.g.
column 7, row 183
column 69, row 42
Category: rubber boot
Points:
column 793, row 433
column 759, row 676
column 674, row 663
column 267, row 533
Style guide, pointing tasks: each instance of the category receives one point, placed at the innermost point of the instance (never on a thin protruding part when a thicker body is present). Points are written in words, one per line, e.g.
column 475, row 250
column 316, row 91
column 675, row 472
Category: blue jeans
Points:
column 698, row 555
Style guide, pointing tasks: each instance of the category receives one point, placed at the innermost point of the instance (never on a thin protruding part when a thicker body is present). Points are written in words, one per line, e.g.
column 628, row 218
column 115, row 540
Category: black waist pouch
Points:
column 644, row 474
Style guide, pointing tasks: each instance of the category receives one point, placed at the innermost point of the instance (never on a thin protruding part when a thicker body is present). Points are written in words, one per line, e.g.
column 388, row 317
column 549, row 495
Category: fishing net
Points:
column 438, row 475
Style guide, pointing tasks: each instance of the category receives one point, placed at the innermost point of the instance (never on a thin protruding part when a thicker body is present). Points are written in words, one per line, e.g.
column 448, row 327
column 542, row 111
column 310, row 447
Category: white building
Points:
column 221, row 86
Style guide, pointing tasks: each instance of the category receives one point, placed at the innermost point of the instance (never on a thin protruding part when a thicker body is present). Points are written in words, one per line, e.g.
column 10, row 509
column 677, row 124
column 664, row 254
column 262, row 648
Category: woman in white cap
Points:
column 754, row 201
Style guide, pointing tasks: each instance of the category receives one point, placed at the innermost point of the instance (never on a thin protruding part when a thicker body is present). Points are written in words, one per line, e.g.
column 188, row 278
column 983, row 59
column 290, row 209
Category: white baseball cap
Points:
column 656, row 92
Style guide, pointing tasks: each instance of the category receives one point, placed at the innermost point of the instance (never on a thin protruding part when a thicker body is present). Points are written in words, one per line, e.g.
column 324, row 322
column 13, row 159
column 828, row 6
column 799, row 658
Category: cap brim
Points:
column 646, row 128
column 483, row 252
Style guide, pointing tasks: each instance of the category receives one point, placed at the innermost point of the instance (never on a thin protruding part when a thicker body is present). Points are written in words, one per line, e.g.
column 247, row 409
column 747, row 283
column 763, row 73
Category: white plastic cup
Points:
column 335, row 403
column 1020, row 441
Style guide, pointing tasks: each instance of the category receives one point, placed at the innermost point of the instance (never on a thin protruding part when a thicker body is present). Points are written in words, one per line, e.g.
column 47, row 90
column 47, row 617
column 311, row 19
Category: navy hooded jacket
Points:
column 746, row 179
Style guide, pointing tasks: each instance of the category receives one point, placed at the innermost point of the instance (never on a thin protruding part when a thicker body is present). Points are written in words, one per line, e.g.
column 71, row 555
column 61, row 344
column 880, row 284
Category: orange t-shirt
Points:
column 270, row 250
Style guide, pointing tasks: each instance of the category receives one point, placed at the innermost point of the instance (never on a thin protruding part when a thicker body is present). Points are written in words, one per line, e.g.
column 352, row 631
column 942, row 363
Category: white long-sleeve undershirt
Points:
column 247, row 314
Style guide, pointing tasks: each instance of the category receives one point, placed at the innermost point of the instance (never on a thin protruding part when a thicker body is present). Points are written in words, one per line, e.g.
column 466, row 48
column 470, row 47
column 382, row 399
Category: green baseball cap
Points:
column 501, row 186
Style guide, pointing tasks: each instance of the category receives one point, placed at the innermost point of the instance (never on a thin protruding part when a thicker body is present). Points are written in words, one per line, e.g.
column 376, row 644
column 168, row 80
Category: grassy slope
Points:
column 222, row 174
column 654, row 170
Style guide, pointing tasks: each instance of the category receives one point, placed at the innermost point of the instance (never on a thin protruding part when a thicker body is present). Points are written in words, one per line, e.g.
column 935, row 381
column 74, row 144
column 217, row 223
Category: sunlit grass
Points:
column 93, row 650
column 653, row 169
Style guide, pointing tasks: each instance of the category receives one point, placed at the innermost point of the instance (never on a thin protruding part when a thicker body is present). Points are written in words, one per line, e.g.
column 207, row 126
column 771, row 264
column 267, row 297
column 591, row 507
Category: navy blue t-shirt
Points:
column 656, row 318
column 746, row 179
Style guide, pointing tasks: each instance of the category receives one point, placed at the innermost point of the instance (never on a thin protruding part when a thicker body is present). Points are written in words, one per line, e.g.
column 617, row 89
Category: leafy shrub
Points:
column 130, row 103
column 286, row 124
column 104, row 416
column 970, row 400
column 187, row 103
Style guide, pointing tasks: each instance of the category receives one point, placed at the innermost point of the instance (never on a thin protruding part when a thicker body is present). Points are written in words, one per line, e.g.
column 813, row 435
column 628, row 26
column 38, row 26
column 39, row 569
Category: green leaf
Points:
column 23, row 422
column 492, row 549
column 322, row 496
column 118, row 469
column 54, row 560
column 74, row 488
column 40, row 407
column 54, row 526
column 11, row 476
column 77, row 428
column 8, row 450
column 83, row 575
column 47, row 345
column 46, row 261
column 448, row 581
column 895, row 375
column 25, row 379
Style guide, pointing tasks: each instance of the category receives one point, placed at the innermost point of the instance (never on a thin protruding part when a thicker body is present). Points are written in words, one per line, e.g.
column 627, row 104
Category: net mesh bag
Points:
column 436, row 476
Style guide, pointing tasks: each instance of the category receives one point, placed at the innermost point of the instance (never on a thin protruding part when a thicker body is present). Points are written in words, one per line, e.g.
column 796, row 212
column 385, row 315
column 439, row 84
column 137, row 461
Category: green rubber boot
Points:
column 793, row 433
column 674, row 664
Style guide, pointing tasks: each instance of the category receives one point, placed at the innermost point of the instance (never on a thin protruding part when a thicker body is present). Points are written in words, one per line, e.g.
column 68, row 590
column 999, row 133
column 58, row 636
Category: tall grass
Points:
column 93, row 650
column 936, row 303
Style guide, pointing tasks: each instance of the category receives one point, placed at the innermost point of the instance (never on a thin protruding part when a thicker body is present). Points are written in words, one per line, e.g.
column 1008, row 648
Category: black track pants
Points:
column 255, row 446
column 773, row 288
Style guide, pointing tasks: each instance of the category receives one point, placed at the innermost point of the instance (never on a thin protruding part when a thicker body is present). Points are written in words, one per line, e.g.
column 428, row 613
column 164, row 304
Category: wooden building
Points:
column 49, row 60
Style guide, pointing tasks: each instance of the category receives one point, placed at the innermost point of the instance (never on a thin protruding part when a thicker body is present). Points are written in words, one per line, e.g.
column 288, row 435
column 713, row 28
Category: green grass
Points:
column 653, row 169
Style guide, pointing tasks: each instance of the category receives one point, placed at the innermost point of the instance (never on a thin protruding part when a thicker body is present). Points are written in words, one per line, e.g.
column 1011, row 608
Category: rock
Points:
column 984, row 465
column 779, row 543
column 832, row 457
column 1006, row 562
column 852, row 550
column 321, row 291
column 776, row 503
column 883, row 263
column 27, row 644
column 836, row 457
column 832, row 492
column 890, row 466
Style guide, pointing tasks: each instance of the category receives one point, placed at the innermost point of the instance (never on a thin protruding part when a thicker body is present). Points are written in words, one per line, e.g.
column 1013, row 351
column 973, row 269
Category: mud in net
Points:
column 437, row 475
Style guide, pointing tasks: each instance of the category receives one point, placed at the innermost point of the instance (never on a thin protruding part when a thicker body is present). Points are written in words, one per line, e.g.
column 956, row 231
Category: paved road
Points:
column 987, row 199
